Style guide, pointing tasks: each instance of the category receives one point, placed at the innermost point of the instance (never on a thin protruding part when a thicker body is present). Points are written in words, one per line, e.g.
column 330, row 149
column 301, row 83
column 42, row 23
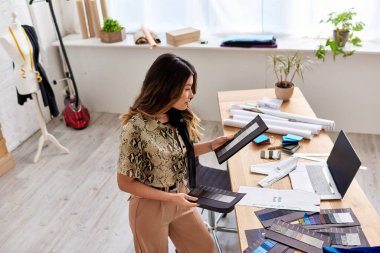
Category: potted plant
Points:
column 343, row 33
column 286, row 67
column 112, row 31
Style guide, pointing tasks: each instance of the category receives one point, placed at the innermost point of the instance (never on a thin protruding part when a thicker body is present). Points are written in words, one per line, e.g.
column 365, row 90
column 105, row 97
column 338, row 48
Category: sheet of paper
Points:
column 300, row 179
column 280, row 199
column 274, row 170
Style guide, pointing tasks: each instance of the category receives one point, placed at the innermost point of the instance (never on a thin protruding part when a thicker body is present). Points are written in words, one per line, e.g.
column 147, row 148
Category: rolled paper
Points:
column 95, row 18
column 103, row 5
column 254, row 114
column 315, row 129
column 82, row 19
column 89, row 18
column 275, row 129
column 149, row 37
column 326, row 124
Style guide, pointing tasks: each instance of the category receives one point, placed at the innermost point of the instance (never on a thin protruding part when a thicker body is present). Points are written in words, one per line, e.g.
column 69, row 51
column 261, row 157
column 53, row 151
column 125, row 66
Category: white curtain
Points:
column 220, row 17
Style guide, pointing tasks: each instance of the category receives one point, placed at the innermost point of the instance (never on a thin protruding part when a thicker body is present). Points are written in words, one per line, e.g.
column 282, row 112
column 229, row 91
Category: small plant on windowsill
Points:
column 112, row 31
column 343, row 34
column 285, row 68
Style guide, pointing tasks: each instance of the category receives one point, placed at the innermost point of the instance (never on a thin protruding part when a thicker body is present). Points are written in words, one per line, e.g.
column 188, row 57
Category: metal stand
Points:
column 212, row 227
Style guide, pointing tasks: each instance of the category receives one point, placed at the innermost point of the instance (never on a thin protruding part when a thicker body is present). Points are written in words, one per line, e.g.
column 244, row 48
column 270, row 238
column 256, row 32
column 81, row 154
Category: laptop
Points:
column 332, row 178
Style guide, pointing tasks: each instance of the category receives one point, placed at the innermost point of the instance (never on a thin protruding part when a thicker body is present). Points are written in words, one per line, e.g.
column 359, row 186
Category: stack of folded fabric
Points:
column 259, row 40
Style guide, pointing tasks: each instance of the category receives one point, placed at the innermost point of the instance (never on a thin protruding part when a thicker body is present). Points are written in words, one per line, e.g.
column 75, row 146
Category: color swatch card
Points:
column 343, row 217
column 291, row 138
column 255, row 239
column 262, row 139
column 267, row 246
column 268, row 215
column 270, row 154
column 345, row 237
column 215, row 199
column 297, row 237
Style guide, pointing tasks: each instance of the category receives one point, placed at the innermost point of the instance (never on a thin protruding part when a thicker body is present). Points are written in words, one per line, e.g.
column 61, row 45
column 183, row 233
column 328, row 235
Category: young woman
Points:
column 157, row 159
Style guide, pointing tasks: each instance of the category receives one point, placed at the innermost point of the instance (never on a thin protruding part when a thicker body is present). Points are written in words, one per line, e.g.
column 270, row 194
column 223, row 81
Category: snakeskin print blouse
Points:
column 151, row 152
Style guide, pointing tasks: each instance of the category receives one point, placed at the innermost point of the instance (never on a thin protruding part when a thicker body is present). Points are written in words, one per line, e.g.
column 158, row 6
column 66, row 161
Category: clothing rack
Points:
column 69, row 75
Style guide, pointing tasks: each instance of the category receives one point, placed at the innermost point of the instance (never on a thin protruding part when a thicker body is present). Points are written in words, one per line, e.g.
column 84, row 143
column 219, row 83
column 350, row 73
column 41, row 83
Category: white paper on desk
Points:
column 300, row 179
column 282, row 169
column 270, row 167
column 280, row 199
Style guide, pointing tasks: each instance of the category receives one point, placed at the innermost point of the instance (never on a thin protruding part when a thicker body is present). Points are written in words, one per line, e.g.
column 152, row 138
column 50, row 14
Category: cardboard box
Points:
column 3, row 148
column 183, row 36
column 6, row 163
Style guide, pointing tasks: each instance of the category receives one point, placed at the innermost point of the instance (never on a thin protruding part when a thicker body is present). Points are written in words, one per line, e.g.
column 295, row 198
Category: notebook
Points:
column 332, row 178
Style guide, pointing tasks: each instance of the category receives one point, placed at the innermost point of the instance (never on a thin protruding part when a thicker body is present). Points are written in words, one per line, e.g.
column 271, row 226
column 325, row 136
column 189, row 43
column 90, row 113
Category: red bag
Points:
column 76, row 117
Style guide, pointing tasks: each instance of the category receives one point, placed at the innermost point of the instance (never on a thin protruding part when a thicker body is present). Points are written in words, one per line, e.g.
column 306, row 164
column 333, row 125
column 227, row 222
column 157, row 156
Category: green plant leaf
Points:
column 111, row 25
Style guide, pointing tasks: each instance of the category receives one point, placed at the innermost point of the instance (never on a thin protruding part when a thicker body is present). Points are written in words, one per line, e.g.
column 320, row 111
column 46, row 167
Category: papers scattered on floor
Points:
column 280, row 199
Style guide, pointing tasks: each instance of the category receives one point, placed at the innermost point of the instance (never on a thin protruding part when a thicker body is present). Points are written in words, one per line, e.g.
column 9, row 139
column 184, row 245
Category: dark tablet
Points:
column 241, row 139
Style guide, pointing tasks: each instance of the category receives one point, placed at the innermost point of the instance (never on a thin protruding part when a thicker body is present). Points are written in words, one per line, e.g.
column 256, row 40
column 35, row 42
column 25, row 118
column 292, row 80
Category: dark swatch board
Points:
column 255, row 239
column 215, row 199
column 345, row 237
column 268, row 215
column 342, row 217
column 297, row 237
column 266, row 245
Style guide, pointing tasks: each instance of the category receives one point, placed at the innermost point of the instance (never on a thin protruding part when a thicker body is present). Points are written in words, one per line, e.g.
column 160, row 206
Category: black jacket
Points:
column 46, row 90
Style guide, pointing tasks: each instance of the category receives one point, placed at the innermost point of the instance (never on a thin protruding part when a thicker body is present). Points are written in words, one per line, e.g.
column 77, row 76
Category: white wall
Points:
column 347, row 90
column 109, row 78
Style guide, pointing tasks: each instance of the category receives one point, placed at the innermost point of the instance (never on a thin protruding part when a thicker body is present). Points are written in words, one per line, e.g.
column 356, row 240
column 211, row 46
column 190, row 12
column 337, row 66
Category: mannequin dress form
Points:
column 16, row 43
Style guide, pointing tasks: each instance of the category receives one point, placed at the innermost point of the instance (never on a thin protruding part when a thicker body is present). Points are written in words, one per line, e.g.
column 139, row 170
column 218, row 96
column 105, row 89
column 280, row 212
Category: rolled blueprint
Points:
column 326, row 124
column 315, row 129
column 234, row 112
column 149, row 37
column 271, row 128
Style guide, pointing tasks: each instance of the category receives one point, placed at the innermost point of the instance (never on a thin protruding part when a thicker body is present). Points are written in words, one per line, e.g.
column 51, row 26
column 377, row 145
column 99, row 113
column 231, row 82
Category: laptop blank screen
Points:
column 343, row 163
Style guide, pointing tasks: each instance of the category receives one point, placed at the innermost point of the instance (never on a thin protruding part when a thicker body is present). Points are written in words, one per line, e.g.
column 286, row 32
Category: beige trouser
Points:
column 152, row 221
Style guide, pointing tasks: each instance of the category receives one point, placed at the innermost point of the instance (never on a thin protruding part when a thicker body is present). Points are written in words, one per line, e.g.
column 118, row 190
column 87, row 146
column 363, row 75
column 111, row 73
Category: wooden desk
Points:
column 240, row 163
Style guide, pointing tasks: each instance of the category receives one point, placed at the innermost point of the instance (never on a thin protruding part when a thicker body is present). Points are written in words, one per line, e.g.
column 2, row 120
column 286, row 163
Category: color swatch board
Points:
column 266, row 246
column 346, row 237
column 297, row 237
column 343, row 217
column 267, row 215
column 256, row 241
column 215, row 199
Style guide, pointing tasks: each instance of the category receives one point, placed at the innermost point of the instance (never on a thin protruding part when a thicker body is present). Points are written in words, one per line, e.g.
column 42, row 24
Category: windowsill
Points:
column 284, row 44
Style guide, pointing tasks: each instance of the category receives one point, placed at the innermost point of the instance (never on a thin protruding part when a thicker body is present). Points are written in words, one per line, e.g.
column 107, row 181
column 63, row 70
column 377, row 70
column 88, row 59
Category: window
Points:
column 222, row 17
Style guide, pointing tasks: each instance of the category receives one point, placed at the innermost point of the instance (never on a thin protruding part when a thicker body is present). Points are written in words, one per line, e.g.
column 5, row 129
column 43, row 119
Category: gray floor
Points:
column 71, row 203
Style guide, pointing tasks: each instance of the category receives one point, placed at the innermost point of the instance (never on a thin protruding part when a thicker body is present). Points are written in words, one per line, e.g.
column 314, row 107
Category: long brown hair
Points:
column 162, row 87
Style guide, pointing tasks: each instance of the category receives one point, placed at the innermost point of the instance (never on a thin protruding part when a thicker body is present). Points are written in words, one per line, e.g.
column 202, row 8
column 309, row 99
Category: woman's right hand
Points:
column 183, row 200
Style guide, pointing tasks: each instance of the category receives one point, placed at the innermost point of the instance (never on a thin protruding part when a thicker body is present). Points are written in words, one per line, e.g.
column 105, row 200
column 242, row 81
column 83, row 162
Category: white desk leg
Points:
column 44, row 133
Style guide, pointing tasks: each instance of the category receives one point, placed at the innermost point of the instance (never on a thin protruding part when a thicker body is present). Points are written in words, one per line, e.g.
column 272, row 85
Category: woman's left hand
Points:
column 216, row 143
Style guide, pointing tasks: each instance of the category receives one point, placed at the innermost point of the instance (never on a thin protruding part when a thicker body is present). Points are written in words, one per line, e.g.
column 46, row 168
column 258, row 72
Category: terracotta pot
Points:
column 283, row 93
column 341, row 37
column 111, row 37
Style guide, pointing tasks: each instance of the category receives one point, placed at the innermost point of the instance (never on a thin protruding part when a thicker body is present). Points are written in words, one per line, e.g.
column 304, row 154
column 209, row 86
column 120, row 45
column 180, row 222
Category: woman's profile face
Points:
column 187, row 94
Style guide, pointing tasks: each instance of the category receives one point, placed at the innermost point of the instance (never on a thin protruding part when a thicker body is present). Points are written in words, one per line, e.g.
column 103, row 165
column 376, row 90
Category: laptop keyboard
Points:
column 318, row 179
